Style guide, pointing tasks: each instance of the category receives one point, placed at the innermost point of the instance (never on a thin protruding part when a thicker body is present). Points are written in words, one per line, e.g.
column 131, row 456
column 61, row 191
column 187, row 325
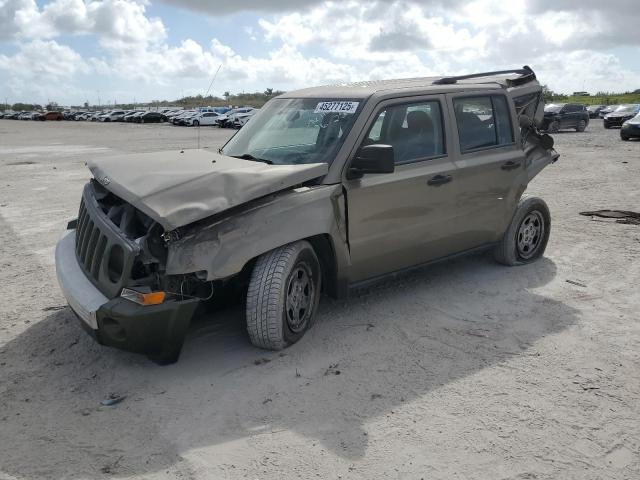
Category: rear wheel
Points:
column 526, row 238
column 283, row 295
column 581, row 126
column 554, row 127
column 196, row 123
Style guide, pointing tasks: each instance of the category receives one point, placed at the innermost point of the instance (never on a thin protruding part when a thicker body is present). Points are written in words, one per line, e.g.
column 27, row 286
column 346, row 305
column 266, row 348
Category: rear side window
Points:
column 483, row 122
column 413, row 130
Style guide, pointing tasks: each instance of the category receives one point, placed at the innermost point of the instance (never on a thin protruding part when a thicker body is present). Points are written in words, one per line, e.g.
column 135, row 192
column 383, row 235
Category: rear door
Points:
column 491, row 165
column 404, row 218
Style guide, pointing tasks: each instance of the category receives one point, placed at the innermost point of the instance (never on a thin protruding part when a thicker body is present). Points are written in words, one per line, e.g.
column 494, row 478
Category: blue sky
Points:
column 71, row 51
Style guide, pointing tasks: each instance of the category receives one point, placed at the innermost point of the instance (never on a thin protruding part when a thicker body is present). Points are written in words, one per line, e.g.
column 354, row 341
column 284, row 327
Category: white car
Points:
column 241, row 119
column 228, row 119
column 181, row 119
column 203, row 118
column 114, row 116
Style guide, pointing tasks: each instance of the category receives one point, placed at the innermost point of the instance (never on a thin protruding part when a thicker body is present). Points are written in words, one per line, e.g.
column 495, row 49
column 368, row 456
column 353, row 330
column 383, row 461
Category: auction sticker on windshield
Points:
column 337, row 107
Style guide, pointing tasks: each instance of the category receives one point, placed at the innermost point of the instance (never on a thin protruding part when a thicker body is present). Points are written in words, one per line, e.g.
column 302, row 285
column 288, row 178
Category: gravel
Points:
column 467, row 369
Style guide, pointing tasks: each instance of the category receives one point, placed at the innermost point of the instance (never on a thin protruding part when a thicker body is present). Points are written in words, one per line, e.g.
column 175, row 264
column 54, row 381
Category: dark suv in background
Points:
column 558, row 116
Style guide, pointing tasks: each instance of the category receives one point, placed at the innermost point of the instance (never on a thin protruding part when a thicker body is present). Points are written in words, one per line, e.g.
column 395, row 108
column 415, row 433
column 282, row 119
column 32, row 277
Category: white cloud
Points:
column 46, row 60
column 39, row 68
column 302, row 43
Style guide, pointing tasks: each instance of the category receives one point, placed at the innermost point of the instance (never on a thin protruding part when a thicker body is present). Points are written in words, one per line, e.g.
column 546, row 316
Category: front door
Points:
column 404, row 218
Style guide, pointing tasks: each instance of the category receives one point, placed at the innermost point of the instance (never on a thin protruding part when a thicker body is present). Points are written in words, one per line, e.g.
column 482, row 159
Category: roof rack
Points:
column 526, row 75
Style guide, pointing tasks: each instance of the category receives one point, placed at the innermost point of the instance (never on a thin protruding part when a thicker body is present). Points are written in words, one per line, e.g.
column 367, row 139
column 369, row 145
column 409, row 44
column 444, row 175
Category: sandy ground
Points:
column 465, row 370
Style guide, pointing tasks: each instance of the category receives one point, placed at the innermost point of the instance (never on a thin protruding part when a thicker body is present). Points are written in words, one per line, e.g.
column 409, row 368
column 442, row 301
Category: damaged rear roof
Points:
column 362, row 90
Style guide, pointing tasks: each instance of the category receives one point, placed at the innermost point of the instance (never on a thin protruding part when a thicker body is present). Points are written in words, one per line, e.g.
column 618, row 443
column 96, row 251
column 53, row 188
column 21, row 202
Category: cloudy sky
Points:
column 71, row 51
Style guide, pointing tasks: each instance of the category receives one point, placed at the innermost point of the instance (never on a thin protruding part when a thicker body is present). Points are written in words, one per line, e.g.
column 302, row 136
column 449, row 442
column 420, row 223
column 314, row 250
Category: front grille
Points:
column 110, row 236
column 91, row 243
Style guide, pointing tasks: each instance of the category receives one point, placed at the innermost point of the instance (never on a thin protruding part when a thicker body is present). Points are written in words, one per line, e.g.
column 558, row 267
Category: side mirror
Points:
column 372, row 159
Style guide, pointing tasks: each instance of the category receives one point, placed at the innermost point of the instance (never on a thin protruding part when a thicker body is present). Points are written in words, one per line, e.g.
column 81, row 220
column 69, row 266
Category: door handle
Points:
column 439, row 180
column 510, row 165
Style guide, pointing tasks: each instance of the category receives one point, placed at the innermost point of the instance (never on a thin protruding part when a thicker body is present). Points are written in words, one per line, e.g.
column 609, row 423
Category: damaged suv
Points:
column 326, row 189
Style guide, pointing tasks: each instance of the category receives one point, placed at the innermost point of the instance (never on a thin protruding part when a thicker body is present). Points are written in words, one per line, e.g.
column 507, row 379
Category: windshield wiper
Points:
column 248, row 156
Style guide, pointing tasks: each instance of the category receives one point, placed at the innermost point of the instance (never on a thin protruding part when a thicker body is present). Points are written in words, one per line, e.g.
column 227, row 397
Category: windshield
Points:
column 627, row 108
column 290, row 131
column 553, row 108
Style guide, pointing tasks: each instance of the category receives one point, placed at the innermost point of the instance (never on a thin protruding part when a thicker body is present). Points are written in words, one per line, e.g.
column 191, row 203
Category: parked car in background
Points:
column 129, row 117
column 242, row 118
column 621, row 115
column 113, row 116
column 52, row 116
column 631, row 128
column 607, row 109
column 594, row 110
column 227, row 120
column 560, row 116
column 181, row 118
column 99, row 116
column 203, row 118
column 150, row 117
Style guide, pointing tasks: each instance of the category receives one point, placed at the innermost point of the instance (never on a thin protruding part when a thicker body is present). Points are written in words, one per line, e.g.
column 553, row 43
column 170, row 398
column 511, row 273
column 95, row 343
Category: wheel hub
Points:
column 530, row 234
column 300, row 294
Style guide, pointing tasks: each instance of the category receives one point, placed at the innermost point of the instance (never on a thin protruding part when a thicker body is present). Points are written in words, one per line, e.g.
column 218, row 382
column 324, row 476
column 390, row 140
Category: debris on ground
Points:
column 621, row 216
column 573, row 282
column 54, row 308
column 112, row 399
column 261, row 361
column 332, row 370
column 110, row 467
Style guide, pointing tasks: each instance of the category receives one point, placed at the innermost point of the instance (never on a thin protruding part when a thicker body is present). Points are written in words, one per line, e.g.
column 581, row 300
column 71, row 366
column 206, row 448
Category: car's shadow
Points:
column 367, row 356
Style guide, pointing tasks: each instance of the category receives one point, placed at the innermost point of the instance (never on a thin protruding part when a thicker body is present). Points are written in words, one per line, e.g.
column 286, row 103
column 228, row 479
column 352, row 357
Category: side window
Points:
column 483, row 122
column 413, row 130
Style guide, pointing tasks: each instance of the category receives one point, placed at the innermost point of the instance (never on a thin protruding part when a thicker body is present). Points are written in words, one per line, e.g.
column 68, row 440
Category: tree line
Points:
column 255, row 99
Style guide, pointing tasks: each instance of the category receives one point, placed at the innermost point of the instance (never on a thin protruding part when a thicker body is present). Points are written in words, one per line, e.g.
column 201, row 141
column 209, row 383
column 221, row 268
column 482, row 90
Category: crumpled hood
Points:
column 176, row 188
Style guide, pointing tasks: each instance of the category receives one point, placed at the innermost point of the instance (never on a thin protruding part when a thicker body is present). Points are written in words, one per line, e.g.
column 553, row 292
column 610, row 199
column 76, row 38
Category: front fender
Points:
column 224, row 245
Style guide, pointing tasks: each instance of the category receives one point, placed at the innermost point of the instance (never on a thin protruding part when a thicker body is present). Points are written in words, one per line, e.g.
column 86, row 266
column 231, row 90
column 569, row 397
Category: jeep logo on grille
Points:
column 105, row 181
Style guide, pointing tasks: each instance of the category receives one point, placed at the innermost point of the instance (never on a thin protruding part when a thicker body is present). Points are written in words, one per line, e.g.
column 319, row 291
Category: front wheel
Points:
column 283, row 295
column 623, row 137
column 196, row 123
column 582, row 125
column 554, row 127
column 526, row 238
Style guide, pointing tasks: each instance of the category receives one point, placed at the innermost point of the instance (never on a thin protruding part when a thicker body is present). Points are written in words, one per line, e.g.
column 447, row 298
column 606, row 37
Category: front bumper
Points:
column 156, row 330
column 615, row 121
column 631, row 130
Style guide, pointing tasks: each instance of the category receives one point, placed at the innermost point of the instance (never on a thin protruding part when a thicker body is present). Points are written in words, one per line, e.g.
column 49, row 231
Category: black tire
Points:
column 196, row 123
column 522, row 232
column 582, row 125
column 624, row 137
column 606, row 126
column 554, row 127
column 276, row 284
